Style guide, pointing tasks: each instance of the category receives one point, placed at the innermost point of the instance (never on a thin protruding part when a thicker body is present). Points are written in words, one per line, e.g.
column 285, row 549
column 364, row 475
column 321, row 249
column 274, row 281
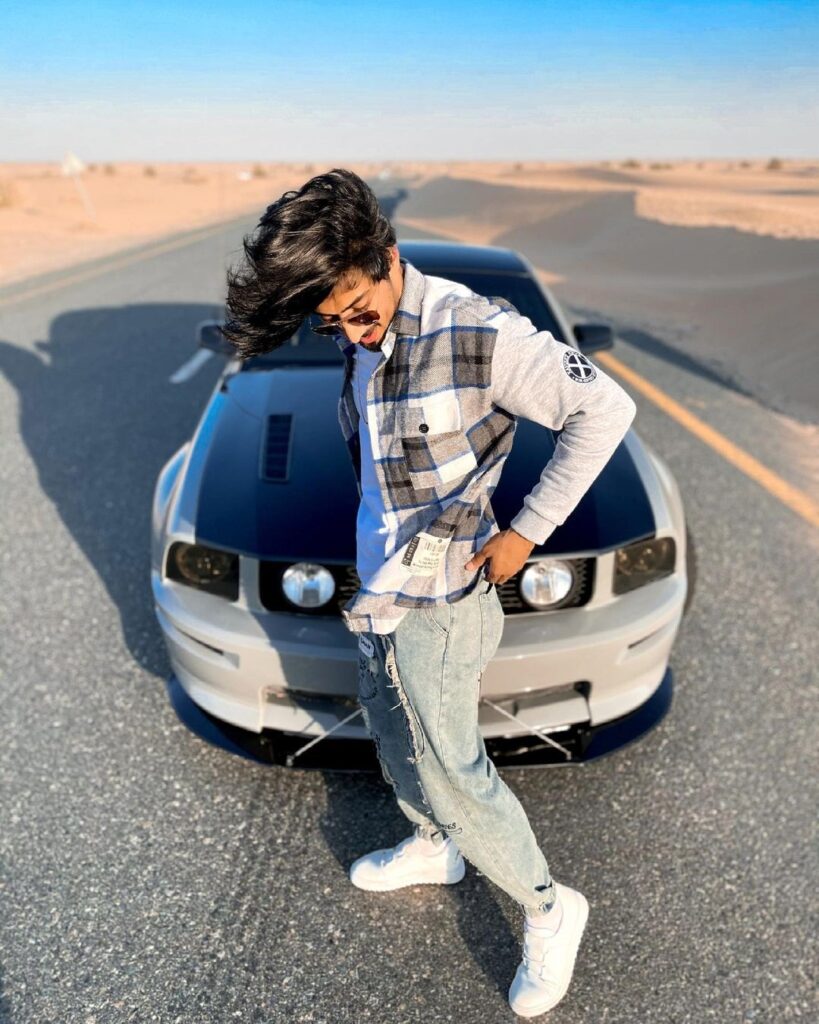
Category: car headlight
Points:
column 307, row 585
column 205, row 568
column 643, row 562
column 546, row 583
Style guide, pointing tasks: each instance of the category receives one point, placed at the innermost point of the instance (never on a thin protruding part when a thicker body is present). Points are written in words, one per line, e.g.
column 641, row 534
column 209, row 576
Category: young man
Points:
column 435, row 377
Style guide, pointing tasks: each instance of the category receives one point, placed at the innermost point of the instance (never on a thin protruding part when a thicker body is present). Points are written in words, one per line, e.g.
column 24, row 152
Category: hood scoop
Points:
column 276, row 451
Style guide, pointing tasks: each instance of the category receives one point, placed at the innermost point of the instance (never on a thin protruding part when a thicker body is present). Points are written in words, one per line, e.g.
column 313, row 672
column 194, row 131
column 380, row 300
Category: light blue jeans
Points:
column 419, row 689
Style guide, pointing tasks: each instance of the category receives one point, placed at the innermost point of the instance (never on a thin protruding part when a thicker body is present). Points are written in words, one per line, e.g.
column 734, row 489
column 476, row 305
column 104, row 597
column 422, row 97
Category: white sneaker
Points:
column 544, row 973
column 408, row 864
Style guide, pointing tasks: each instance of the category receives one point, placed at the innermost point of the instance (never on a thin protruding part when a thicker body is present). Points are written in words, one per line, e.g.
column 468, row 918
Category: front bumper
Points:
column 276, row 748
column 563, row 673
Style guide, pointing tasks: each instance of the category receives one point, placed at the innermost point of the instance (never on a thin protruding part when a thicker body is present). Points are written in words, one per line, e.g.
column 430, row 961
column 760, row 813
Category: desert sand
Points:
column 49, row 220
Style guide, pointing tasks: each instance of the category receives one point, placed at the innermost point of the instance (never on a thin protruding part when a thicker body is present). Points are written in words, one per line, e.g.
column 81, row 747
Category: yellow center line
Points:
column 799, row 502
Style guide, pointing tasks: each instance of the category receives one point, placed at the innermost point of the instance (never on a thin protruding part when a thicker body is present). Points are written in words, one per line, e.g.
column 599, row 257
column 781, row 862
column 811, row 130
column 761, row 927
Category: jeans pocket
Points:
column 439, row 616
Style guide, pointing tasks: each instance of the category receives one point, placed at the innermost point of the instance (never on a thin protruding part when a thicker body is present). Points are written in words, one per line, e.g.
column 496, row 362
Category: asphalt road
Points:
column 146, row 876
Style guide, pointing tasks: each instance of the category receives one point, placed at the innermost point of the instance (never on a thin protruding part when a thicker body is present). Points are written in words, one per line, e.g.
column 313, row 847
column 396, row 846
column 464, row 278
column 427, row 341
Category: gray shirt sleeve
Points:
column 544, row 380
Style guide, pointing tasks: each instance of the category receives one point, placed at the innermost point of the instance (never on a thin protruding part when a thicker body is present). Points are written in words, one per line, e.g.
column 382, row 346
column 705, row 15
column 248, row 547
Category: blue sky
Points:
column 332, row 81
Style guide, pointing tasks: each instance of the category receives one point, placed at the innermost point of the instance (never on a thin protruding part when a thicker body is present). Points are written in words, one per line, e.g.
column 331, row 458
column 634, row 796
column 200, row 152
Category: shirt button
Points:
column 424, row 427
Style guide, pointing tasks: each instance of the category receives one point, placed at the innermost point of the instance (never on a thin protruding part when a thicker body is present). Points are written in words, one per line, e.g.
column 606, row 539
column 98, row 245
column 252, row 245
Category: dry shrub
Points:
column 149, row 171
column 9, row 195
column 191, row 176
column 660, row 167
column 258, row 171
column 631, row 163
column 774, row 164
column 109, row 169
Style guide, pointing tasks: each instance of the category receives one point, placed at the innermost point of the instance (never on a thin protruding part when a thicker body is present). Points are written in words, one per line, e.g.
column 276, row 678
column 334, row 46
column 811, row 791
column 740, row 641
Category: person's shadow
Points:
column 99, row 418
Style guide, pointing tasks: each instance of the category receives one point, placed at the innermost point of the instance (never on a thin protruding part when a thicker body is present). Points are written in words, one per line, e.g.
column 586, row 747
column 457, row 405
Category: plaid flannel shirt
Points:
column 457, row 370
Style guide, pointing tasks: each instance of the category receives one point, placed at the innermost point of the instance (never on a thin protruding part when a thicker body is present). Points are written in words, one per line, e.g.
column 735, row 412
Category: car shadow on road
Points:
column 98, row 419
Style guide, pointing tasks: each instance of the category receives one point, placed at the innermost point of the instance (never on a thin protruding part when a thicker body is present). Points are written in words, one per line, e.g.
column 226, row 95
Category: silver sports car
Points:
column 271, row 673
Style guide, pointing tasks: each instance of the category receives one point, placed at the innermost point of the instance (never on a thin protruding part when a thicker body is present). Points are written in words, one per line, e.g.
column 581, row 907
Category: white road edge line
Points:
column 191, row 367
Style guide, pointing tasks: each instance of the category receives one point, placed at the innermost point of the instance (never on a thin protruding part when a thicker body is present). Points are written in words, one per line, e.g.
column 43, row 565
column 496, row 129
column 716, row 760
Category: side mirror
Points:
column 592, row 337
column 209, row 335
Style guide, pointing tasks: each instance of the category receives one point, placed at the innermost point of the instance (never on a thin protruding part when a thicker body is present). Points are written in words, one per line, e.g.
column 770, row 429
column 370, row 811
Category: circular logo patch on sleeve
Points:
column 578, row 367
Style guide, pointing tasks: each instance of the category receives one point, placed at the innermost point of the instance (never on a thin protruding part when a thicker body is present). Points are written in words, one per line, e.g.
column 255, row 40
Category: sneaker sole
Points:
column 388, row 885
column 552, row 1001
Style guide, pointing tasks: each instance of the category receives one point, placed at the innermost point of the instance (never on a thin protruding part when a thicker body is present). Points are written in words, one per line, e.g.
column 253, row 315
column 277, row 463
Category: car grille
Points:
column 347, row 583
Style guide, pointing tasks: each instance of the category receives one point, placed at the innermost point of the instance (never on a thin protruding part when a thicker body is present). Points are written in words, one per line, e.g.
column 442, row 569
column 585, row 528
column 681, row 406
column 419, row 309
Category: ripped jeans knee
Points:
column 391, row 721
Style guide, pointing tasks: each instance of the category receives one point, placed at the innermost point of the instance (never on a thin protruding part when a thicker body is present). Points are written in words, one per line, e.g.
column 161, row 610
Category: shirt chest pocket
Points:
column 434, row 444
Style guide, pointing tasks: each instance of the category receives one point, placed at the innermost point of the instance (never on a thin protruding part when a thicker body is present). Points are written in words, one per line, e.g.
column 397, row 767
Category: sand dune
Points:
column 738, row 301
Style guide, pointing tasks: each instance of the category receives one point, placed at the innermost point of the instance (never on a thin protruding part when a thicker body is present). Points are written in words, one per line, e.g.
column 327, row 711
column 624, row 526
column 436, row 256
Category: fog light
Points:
column 308, row 586
column 546, row 583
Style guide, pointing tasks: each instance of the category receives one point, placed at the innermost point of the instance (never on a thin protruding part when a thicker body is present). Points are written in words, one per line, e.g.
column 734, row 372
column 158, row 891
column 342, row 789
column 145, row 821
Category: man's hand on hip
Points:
column 507, row 552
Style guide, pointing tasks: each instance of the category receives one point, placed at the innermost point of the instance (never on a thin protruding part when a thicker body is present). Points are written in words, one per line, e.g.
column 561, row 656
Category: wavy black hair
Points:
column 305, row 243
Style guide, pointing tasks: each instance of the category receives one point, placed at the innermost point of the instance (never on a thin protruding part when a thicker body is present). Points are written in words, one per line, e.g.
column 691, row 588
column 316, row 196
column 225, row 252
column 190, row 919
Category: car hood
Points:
column 240, row 495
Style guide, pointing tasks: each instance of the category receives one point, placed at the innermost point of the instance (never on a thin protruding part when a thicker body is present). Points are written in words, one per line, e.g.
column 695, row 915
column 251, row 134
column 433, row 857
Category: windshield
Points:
column 521, row 291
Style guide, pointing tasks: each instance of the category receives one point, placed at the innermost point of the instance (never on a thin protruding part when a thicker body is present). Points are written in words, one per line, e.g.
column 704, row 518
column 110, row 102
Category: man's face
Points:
column 359, row 294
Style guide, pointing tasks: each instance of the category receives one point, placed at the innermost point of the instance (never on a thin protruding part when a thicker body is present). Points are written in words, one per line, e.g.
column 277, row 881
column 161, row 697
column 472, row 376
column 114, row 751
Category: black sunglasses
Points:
column 359, row 319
